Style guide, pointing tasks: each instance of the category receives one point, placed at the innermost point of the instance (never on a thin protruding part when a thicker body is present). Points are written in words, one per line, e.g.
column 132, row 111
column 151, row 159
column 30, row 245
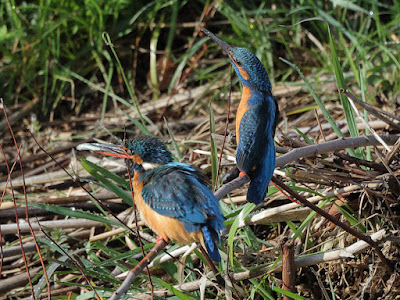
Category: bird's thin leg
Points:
column 242, row 173
column 161, row 238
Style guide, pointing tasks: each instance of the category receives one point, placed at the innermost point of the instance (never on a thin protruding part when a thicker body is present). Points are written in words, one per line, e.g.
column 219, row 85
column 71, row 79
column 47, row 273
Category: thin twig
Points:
column 373, row 110
column 226, row 128
column 74, row 261
column 124, row 287
column 26, row 210
column 220, row 280
column 13, row 196
column 335, row 221
column 70, row 223
column 365, row 122
column 274, row 214
column 137, row 232
column 332, row 146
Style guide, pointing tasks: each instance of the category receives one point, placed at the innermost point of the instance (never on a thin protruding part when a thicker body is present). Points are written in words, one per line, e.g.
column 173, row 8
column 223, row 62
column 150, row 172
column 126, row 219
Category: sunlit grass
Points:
column 55, row 51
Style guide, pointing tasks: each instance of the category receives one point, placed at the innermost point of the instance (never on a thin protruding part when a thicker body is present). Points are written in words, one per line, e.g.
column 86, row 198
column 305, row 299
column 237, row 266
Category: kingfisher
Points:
column 256, row 120
column 174, row 199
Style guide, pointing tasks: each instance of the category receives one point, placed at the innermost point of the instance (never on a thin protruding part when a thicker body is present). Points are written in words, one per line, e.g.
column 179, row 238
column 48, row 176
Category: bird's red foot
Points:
column 242, row 173
column 161, row 238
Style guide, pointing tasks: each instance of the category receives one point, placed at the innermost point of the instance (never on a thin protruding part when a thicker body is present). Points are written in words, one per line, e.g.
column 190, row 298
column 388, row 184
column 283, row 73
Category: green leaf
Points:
column 174, row 143
column 258, row 287
column 102, row 174
column 246, row 209
column 306, row 138
column 304, row 224
column 353, row 220
column 74, row 213
column 177, row 293
column 138, row 124
column 321, row 105
column 287, row 293
column 348, row 111
column 118, row 179
column 214, row 149
column 250, row 238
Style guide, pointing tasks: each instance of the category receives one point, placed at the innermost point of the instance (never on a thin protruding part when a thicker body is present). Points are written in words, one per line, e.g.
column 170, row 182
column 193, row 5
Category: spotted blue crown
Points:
column 258, row 76
column 150, row 149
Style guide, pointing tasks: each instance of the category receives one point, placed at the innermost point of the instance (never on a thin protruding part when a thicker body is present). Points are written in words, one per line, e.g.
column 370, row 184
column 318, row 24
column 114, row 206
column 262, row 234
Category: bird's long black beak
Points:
column 106, row 149
column 224, row 45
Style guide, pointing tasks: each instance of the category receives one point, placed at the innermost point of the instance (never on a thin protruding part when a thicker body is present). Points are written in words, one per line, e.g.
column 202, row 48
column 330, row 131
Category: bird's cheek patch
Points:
column 136, row 159
column 244, row 73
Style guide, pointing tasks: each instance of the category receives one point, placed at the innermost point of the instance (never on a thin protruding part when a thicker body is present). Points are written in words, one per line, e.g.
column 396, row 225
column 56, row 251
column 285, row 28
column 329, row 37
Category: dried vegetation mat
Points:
column 357, row 185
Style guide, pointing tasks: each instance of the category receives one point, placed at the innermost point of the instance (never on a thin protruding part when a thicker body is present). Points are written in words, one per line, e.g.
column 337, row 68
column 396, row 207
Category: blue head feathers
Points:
column 150, row 149
column 247, row 66
column 244, row 60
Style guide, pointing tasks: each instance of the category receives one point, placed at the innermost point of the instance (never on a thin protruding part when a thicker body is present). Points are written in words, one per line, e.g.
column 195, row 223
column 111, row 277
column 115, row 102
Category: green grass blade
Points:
column 177, row 293
column 107, row 40
column 100, row 173
column 246, row 209
column 316, row 98
column 65, row 211
column 214, row 149
column 153, row 60
column 307, row 220
column 106, row 173
column 287, row 293
column 351, row 121
column 138, row 124
column 174, row 143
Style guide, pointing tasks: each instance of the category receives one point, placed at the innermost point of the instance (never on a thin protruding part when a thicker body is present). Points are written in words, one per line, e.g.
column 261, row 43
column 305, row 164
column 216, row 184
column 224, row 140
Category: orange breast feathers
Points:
column 167, row 227
column 242, row 109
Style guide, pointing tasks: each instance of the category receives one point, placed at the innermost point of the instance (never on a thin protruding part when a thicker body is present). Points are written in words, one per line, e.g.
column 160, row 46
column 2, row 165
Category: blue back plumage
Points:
column 256, row 150
column 256, row 121
column 179, row 191
column 261, row 177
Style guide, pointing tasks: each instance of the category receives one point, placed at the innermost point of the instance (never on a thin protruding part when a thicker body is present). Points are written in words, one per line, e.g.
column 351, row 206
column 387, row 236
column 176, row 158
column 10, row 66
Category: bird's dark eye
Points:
column 238, row 63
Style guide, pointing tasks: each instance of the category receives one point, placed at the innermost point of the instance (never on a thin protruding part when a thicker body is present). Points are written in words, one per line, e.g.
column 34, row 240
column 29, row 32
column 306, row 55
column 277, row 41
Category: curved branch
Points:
column 331, row 146
column 308, row 151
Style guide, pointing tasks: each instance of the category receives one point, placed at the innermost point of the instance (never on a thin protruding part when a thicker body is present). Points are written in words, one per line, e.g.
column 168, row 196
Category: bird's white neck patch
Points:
column 149, row 166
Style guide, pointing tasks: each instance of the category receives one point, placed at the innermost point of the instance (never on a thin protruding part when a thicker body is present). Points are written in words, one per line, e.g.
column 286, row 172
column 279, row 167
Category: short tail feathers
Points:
column 261, row 177
column 211, row 241
column 257, row 190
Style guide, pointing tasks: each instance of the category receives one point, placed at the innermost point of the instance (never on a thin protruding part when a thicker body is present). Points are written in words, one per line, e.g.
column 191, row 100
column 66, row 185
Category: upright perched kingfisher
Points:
column 256, row 120
column 174, row 199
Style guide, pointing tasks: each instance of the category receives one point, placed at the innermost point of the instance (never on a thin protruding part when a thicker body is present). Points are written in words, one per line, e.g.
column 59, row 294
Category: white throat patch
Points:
column 149, row 166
